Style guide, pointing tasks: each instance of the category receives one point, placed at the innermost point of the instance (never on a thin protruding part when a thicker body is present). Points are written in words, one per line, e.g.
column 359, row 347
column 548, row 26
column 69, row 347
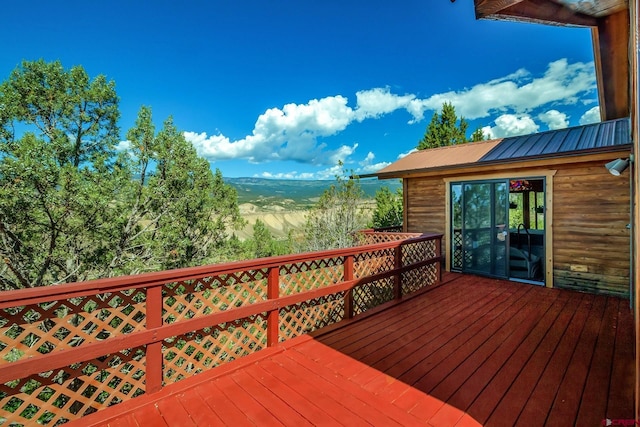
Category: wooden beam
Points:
column 539, row 11
column 485, row 8
column 611, row 54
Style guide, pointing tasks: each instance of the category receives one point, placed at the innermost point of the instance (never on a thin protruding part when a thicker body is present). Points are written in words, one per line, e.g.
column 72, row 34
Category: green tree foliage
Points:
column 389, row 210
column 478, row 135
column 333, row 220
column 263, row 242
column 72, row 208
column 445, row 129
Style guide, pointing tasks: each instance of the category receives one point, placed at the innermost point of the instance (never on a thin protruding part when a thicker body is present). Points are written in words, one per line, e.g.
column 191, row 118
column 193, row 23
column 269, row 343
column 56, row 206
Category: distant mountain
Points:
column 303, row 193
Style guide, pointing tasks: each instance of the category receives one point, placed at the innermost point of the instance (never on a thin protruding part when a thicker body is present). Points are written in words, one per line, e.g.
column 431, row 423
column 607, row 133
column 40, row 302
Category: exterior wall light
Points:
column 616, row 167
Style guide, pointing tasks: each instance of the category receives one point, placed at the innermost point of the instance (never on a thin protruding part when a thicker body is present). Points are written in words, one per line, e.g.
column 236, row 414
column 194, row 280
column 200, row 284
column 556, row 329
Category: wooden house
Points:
column 539, row 208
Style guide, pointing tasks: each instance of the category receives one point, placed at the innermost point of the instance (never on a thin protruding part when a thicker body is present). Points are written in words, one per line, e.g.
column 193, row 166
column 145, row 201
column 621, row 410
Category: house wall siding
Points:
column 591, row 240
column 590, row 214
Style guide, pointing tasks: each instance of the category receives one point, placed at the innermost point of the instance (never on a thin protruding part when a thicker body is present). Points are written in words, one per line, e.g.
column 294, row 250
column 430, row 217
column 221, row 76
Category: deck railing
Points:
column 69, row 350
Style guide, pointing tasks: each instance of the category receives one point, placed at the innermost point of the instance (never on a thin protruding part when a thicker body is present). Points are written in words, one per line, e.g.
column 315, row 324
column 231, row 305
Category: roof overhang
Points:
column 609, row 21
column 544, row 162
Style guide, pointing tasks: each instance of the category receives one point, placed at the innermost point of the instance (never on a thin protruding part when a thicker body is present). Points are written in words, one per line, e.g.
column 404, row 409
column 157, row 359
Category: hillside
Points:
column 283, row 204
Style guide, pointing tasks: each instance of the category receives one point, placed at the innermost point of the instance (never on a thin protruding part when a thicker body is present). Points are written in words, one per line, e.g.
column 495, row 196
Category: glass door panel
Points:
column 484, row 221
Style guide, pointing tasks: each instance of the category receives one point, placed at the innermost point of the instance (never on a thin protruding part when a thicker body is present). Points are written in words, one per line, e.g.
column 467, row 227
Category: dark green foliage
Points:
column 72, row 208
column 445, row 129
column 388, row 211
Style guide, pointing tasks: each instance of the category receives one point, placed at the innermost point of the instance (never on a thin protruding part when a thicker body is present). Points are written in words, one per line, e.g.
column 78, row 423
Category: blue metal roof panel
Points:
column 581, row 138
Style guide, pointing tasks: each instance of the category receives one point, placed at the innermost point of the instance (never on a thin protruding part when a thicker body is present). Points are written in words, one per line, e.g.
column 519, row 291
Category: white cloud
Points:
column 296, row 131
column 591, row 116
column 290, row 133
column 511, row 125
column 554, row 119
column 123, row 146
column 368, row 166
column 401, row 155
column 377, row 102
column 562, row 83
column 286, row 175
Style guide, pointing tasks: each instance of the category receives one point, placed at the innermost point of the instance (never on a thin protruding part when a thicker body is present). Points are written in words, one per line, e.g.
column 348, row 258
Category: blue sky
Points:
column 286, row 89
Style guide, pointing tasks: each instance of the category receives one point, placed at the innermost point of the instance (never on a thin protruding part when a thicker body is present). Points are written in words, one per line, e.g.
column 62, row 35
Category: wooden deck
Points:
column 470, row 352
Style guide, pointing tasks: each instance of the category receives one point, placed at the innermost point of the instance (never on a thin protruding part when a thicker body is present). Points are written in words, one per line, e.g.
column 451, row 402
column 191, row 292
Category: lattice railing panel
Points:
column 192, row 353
column 54, row 397
column 419, row 278
column 36, row 329
column 308, row 275
column 370, row 263
column 188, row 299
column 418, row 251
column 457, row 258
column 310, row 315
column 372, row 294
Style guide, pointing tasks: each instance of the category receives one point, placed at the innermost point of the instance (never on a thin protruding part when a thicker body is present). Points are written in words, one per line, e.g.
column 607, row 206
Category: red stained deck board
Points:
column 327, row 400
column 200, row 412
column 478, row 386
column 466, row 342
column 593, row 406
column 567, row 401
column 372, row 408
column 223, row 405
column 423, row 332
column 485, row 404
column 149, row 416
column 427, row 350
column 174, row 413
column 622, row 376
column 399, row 351
column 244, row 401
column 525, row 319
column 249, row 379
column 364, row 333
column 519, row 394
column 537, row 408
column 125, row 421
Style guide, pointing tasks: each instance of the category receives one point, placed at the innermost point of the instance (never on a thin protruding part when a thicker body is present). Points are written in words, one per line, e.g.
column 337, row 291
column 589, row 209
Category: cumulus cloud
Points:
column 554, row 119
column 562, row 83
column 591, row 116
column 511, row 125
column 367, row 165
column 123, row 146
column 299, row 132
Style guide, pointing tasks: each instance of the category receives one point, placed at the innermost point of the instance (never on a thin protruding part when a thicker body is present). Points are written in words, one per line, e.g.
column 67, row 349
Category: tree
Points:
column 445, row 129
column 263, row 242
column 333, row 220
column 72, row 208
column 389, row 208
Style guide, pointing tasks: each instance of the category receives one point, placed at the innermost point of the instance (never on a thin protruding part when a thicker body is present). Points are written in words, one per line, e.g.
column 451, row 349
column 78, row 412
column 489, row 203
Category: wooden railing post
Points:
column 397, row 278
column 348, row 296
column 273, row 317
column 154, row 374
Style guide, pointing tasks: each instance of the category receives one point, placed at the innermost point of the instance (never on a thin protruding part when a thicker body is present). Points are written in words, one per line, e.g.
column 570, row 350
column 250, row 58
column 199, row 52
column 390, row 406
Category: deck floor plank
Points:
column 482, row 391
column 198, row 409
column 470, row 352
column 519, row 394
column 593, row 405
column 623, row 373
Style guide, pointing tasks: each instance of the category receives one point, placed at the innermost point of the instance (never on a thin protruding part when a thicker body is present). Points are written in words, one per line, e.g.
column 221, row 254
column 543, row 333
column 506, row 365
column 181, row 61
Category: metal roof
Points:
column 576, row 141
column 451, row 155
column 597, row 136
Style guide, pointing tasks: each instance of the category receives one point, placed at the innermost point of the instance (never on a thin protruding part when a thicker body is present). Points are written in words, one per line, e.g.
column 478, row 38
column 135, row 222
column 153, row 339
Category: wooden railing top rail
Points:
column 92, row 287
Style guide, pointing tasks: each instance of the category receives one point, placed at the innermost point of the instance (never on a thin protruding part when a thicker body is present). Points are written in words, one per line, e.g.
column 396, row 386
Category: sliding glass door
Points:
column 480, row 227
